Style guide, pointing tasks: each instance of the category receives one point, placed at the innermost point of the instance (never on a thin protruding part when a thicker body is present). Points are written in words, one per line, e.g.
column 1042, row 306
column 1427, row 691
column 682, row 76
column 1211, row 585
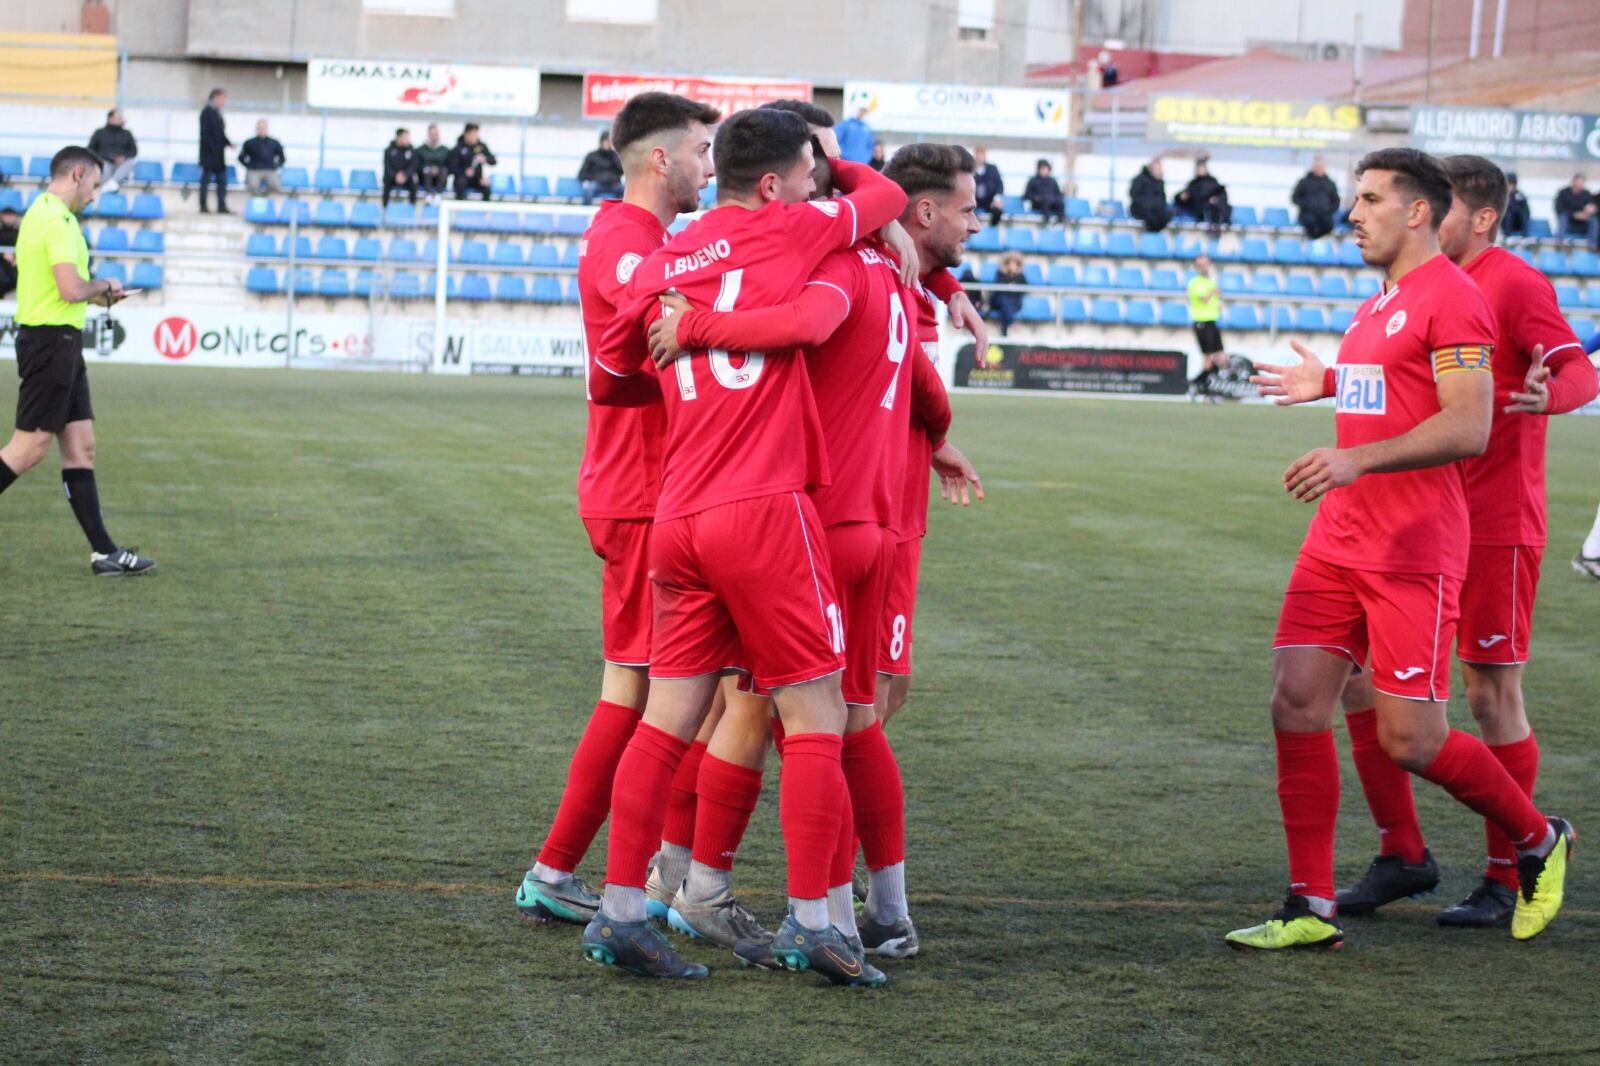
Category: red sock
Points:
column 777, row 737
column 809, row 802
column 843, row 867
column 1521, row 760
column 1388, row 789
column 877, row 796
column 728, row 796
column 586, row 800
column 1308, row 792
column 639, row 802
column 679, row 826
column 1465, row 768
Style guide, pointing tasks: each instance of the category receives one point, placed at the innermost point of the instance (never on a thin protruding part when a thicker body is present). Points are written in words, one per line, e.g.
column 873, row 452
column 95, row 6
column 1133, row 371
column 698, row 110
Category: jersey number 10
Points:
column 722, row 368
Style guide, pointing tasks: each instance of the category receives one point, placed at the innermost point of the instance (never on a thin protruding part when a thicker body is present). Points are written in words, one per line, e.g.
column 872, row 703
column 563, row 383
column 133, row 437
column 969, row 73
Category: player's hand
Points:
column 1300, row 383
column 112, row 295
column 905, row 250
column 829, row 141
column 963, row 315
column 663, row 335
column 956, row 474
column 1313, row 474
column 1534, row 399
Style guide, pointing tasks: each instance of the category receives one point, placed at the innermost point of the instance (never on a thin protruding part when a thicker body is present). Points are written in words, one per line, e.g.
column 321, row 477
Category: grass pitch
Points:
column 271, row 803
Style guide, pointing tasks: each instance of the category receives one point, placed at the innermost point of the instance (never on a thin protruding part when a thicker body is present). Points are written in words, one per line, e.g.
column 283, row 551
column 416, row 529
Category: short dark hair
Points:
column 216, row 93
column 1416, row 173
column 113, row 111
column 814, row 115
column 63, row 161
column 469, row 127
column 401, row 130
column 754, row 142
column 1480, row 184
column 651, row 113
column 920, row 168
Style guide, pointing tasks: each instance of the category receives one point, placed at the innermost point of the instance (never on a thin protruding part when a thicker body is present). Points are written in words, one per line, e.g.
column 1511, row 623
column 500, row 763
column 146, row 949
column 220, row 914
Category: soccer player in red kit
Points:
column 665, row 143
column 738, row 562
column 1539, row 369
column 1380, row 572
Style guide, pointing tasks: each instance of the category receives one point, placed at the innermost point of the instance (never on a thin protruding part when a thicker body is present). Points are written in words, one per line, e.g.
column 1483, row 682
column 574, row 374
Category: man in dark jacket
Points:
column 433, row 164
column 1577, row 214
column 467, row 161
column 1043, row 194
column 116, row 148
column 262, row 158
column 991, row 187
column 214, row 145
column 400, row 166
column 601, row 172
column 8, row 241
column 1518, row 213
column 1317, row 197
column 1205, row 199
column 1147, row 198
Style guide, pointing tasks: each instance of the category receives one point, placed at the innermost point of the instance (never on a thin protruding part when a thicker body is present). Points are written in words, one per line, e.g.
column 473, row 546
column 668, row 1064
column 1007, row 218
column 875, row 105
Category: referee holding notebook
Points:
column 53, row 297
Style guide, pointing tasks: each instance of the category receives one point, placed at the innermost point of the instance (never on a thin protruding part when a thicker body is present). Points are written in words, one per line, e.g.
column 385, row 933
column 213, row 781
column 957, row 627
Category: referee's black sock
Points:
column 7, row 476
column 85, row 500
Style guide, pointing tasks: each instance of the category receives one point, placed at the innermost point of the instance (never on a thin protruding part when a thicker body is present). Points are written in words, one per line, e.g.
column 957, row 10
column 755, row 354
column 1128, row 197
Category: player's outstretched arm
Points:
column 1562, row 381
column 876, row 201
column 958, row 478
column 1302, row 382
column 804, row 322
column 899, row 242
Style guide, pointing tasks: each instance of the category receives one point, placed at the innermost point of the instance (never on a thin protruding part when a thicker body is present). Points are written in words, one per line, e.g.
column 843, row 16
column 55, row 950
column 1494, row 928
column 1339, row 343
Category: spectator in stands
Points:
column 1044, row 195
column 991, row 187
column 400, row 166
column 262, row 159
column 601, row 172
column 1518, row 213
column 433, row 163
column 8, row 241
column 1204, row 199
column 1147, row 198
column 878, row 160
column 1005, row 306
column 855, row 138
column 1317, row 197
column 214, row 145
column 116, row 148
column 1576, row 211
column 1109, row 74
column 467, row 161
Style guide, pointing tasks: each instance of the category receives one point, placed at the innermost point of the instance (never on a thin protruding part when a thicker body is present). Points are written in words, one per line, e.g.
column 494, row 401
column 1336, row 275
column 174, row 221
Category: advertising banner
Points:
column 604, row 94
column 1135, row 371
column 1219, row 120
column 1498, row 133
column 975, row 110
column 430, row 88
column 494, row 348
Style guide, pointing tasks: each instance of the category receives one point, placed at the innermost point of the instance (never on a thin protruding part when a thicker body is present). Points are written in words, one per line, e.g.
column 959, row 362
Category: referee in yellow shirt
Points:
column 53, row 297
column 1205, row 308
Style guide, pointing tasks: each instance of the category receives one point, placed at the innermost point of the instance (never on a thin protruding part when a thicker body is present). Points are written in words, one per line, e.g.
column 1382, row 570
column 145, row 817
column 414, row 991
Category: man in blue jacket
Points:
column 855, row 138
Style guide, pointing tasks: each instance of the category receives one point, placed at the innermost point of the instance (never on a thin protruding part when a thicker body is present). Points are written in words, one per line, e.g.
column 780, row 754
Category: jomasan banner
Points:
column 1246, row 121
column 968, row 110
column 604, row 94
column 420, row 86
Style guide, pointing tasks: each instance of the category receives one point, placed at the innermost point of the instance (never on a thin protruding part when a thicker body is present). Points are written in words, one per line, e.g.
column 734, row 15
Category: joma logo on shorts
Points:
column 1360, row 390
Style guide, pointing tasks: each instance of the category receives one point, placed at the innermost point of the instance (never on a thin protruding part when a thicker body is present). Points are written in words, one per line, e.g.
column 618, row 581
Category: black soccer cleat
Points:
column 121, row 562
column 1490, row 904
column 1389, row 878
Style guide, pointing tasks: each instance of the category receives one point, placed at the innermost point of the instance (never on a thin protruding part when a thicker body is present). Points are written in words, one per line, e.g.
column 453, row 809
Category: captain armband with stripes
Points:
column 1462, row 357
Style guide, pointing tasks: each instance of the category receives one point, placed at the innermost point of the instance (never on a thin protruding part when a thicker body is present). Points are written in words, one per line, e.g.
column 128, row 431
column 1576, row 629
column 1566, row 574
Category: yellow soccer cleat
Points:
column 1295, row 926
column 1543, row 882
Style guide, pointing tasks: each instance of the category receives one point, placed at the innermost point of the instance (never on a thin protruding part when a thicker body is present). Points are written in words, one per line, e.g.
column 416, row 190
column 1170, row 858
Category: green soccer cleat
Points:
column 637, row 947
column 1543, row 883
column 1296, row 925
column 565, row 901
column 825, row 951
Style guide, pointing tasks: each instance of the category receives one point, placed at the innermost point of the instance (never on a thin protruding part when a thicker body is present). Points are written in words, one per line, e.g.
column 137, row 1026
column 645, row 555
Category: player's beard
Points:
column 685, row 197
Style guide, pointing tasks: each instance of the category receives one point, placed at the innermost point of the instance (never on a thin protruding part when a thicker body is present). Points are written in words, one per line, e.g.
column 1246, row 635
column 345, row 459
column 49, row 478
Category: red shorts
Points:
column 899, row 608
column 745, row 586
column 1497, row 604
column 861, row 553
column 1405, row 622
column 625, row 615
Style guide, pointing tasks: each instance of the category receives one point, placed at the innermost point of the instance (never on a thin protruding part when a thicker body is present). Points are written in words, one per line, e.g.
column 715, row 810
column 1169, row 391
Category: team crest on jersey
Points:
column 1397, row 322
column 827, row 207
column 1359, row 389
column 627, row 265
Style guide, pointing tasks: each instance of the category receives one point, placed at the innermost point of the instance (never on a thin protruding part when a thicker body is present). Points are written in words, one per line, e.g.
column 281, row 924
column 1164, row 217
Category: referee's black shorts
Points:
column 55, row 381
column 1209, row 336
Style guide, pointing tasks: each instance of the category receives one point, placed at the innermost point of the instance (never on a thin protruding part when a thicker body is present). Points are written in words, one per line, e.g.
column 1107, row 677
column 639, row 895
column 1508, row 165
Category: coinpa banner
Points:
column 1215, row 120
column 432, row 88
column 973, row 110
column 1495, row 132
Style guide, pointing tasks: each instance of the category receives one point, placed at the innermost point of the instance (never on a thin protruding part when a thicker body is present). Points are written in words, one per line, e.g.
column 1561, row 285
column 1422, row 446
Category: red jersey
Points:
column 1505, row 485
column 621, row 472
column 1413, row 521
column 742, row 424
column 930, row 419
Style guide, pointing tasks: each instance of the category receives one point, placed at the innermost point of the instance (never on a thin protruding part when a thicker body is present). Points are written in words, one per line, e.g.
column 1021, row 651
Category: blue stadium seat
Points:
column 364, row 181
column 428, row 216
column 1242, row 317
column 1322, row 253
column 111, row 205
column 1020, row 240
column 1567, row 296
column 430, row 251
column 329, row 180
column 1311, row 320
column 1334, row 287
column 985, row 240
column 1540, row 229
column 569, row 256
column 365, row 215
column 538, row 222
column 1129, row 278
column 149, row 240
column 1265, row 284
column 1290, row 252
column 367, row 282
column 299, row 210
column 330, row 213
column 12, row 166
column 472, row 221
column 1096, row 277
column 570, row 294
column 569, row 188
column 988, row 272
column 535, row 186
column 572, row 225
column 1120, row 243
column 1063, row 276
column 1011, row 204
column 430, row 286
column 1551, row 261
column 405, row 286
column 1072, row 310
column 1184, row 247
column 331, row 248
column 11, row 198
column 1591, row 297
column 1232, row 282
column 1281, row 316
column 294, row 179
column 260, row 211
column 1583, row 263
column 473, row 253
column 1087, row 242
column 1078, row 208
column 1365, row 286
column 1350, row 255
column 1036, row 309
column 366, row 250
column 112, row 239
column 1174, row 315
column 1583, row 327
column 1112, row 209
column 1104, row 312
column 146, row 207
column 333, row 283
column 508, row 255
column 708, row 196
column 1165, row 279
column 503, row 186
column 399, row 216
column 1244, row 216
column 544, row 256
column 1053, row 242
column 305, row 281
column 510, row 287
column 302, row 246
column 403, row 250
column 546, row 290
column 504, row 223
column 476, row 287
column 1155, row 246
column 1141, row 313
column 186, row 173
column 262, row 279
column 1277, row 216
column 39, row 167
column 1300, row 285
column 230, row 174
column 261, row 246
column 1033, row 273
column 1254, row 250
column 147, row 276
column 1339, row 319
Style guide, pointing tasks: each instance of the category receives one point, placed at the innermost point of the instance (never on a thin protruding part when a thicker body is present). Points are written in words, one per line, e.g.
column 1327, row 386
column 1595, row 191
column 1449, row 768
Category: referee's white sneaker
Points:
column 120, row 563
